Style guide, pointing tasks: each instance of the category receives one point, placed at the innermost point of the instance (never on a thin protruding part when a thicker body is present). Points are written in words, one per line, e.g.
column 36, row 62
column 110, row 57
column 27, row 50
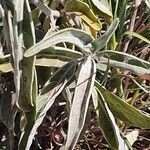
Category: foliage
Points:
column 65, row 38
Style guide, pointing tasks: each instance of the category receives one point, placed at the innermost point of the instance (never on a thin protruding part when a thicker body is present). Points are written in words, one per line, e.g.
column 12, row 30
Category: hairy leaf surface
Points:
column 74, row 36
column 80, row 102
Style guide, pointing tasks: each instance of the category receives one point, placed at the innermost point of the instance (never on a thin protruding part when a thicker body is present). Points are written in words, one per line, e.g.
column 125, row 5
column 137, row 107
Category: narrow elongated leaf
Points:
column 18, row 10
column 108, row 125
column 16, row 51
column 50, row 62
column 122, row 14
column 137, row 36
column 85, row 13
column 125, row 61
column 28, row 27
column 124, row 111
column 126, row 58
column 80, row 103
column 95, row 98
column 45, row 99
column 5, row 65
column 132, row 68
column 67, row 94
column 99, row 43
column 103, row 6
column 74, row 36
column 59, row 52
column 57, row 82
column 27, row 92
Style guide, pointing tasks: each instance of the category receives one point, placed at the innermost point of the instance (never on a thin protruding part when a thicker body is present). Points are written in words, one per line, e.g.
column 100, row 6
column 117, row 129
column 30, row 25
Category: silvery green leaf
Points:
column 99, row 43
column 60, row 52
column 125, row 61
column 103, row 6
column 80, row 102
column 52, row 88
column 70, row 35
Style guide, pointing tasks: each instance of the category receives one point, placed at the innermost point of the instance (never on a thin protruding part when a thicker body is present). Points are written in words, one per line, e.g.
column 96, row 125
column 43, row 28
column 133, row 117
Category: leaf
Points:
column 108, row 125
column 27, row 92
column 132, row 68
column 5, row 65
column 15, row 42
column 67, row 94
column 74, row 36
column 84, row 12
column 89, row 30
column 95, row 98
column 132, row 136
column 18, row 10
column 99, row 43
column 125, row 111
column 80, row 102
column 60, row 52
column 35, row 16
column 126, row 58
column 50, row 62
column 137, row 36
column 122, row 13
column 28, row 27
column 106, row 121
column 147, row 2
column 103, row 6
column 44, row 101
column 55, row 83
column 125, row 61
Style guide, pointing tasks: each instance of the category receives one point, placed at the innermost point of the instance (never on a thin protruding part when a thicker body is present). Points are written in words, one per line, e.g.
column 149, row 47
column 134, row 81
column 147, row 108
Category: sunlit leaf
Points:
column 103, row 6
column 132, row 136
column 60, row 52
column 74, row 36
column 147, row 2
column 50, row 62
column 126, row 58
column 125, row 61
column 18, row 10
column 80, row 102
column 5, row 65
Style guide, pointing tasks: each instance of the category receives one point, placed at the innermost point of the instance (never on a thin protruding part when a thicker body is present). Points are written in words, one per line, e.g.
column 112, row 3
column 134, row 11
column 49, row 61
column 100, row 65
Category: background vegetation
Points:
column 74, row 74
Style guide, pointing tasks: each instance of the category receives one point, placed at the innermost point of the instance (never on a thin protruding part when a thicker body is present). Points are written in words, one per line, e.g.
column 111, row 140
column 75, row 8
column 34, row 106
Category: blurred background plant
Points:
column 74, row 74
